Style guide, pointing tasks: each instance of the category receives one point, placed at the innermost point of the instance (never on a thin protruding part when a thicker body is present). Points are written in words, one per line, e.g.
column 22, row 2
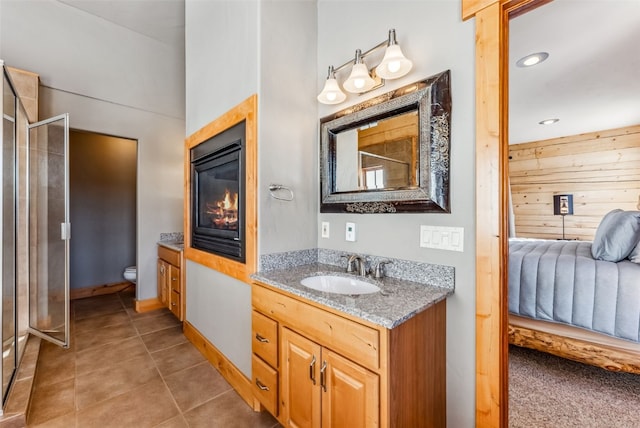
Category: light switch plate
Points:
column 350, row 232
column 325, row 229
column 442, row 237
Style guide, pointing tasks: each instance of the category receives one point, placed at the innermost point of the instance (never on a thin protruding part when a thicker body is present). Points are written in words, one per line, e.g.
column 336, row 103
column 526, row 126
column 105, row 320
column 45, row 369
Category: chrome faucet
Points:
column 354, row 260
column 377, row 271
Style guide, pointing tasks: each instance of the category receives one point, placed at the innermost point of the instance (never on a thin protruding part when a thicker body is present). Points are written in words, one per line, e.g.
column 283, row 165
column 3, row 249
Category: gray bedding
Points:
column 560, row 281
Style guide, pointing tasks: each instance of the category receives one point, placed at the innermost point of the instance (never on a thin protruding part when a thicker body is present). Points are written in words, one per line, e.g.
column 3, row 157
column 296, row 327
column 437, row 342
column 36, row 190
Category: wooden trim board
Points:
column 491, row 348
column 148, row 305
column 231, row 373
column 247, row 111
column 492, row 105
column 99, row 290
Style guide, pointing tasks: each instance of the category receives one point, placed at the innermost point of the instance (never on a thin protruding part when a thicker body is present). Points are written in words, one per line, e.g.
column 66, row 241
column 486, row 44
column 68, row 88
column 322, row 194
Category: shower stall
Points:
column 35, row 231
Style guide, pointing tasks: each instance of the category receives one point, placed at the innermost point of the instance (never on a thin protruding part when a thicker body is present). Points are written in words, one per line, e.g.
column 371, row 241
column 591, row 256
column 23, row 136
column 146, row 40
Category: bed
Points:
column 580, row 300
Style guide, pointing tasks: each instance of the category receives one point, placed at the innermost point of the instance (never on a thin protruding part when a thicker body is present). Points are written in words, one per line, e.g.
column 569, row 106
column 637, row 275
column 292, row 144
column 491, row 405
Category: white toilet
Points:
column 130, row 274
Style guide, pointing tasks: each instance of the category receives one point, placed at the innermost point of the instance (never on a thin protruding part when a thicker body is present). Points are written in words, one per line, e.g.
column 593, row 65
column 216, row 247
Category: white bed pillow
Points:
column 617, row 235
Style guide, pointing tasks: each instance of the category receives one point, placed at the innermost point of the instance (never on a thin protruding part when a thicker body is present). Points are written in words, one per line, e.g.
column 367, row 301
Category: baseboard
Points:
column 231, row 373
column 148, row 305
column 99, row 290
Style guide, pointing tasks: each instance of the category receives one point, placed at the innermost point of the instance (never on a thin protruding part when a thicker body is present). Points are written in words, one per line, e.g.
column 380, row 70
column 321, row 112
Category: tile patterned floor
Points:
column 126, row 369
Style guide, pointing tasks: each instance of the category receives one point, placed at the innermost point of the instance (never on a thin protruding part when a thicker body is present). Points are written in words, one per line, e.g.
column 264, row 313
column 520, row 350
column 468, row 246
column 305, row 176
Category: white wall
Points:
column 160, row 168
column 221, row 58
column 233, row 50
column 73, row 50
column 288, row 152
column 433, row 36
column 114, row 81
column 221, row 71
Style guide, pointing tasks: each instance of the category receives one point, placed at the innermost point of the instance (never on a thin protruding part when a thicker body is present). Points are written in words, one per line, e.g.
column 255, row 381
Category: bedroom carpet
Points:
column 547, row 391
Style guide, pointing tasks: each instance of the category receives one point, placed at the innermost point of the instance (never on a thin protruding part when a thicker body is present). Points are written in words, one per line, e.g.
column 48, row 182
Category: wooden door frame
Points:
column 492, row 106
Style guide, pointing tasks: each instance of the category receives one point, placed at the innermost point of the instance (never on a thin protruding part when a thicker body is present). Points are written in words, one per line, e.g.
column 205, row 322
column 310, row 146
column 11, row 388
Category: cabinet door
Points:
column 300, row 381
column 350, row 394
column 163, row 275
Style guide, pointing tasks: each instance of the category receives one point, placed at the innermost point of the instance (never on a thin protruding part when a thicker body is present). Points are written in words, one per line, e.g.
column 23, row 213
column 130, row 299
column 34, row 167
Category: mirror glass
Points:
column 379, row 155
column 390, row 153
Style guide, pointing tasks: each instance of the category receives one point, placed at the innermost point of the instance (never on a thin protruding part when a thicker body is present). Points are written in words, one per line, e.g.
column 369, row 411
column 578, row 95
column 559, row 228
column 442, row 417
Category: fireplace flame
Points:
column 224, row 213
column 228, row 202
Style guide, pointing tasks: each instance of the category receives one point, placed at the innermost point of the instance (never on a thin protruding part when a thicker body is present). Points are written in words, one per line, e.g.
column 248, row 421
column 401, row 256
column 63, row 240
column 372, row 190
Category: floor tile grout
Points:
column 195, row 409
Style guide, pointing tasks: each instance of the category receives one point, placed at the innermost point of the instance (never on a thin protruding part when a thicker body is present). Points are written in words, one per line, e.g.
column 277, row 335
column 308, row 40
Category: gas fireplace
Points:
column 218, row 194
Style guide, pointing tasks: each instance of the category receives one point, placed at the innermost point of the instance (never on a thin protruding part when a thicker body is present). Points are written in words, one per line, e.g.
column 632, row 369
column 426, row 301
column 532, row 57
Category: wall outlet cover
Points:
column 325, row 229
column 442, row 237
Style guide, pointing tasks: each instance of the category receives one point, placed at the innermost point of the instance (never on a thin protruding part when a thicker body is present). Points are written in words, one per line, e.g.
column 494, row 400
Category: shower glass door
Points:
column 49, row 229
column 8, row 236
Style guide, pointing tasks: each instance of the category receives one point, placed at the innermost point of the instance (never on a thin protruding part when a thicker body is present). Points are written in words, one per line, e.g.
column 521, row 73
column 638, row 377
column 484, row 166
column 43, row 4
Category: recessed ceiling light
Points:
column 533, row 59
column 548, row 121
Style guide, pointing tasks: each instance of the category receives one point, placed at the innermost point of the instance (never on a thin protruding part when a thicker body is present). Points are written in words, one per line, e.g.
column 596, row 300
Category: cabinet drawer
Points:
column 351, row 339
column 174, row 278
column 175, row 303
column 265, row 384
column 169, row 255
column 264, row 332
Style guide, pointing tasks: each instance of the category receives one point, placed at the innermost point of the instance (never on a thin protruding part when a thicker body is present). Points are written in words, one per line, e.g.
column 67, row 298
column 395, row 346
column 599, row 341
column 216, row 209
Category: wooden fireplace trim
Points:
column 247, row 111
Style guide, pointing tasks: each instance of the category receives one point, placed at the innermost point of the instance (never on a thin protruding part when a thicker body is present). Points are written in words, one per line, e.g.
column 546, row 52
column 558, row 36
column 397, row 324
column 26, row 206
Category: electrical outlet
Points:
column 325, row 229
column 350, row 232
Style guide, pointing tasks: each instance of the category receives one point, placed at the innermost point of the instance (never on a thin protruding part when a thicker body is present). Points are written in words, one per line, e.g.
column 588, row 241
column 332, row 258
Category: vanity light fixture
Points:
column 359, row 81
column 393, row 66
column 548, row 121
column 532, row 59
column 331, row 94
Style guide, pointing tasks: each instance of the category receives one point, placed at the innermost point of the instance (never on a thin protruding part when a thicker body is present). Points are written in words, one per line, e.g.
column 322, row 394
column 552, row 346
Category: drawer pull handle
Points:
column 312, row 370
column 261, row 339
column 323, row 378
column 261, row 385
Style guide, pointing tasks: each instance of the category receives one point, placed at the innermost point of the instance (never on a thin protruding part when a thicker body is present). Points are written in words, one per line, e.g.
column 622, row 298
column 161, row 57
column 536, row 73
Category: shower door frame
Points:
column 5, row 392
column 65, row 232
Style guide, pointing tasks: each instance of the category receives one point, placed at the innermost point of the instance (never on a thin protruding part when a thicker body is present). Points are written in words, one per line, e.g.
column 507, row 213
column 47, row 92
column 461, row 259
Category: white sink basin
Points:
column 339, row 284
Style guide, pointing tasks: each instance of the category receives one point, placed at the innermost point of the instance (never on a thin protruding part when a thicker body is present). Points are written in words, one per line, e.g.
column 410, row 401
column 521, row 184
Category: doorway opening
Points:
column 102, row 206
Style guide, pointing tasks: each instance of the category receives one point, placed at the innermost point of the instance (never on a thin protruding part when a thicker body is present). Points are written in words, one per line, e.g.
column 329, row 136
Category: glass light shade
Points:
column 394, row 64
column 359, row 80
column 331, row 93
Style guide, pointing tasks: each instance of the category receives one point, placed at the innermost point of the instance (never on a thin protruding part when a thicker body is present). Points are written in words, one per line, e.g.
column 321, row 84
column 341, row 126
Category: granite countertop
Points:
column 173, row 245
column 397, row 301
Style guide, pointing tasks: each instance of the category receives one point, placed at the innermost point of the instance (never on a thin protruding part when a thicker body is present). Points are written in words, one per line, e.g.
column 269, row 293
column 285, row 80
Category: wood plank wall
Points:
column 600, row 169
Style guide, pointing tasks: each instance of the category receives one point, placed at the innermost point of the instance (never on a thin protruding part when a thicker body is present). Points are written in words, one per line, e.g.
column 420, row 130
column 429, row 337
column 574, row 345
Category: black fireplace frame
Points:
column 227, row 146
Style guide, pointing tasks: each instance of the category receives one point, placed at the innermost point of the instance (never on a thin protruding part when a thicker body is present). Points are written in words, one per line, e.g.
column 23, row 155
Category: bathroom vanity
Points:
column 370, row 360
column 170, row 281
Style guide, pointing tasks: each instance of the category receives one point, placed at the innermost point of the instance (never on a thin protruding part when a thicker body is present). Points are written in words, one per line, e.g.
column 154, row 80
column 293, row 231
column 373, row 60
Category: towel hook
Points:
column 273, row 188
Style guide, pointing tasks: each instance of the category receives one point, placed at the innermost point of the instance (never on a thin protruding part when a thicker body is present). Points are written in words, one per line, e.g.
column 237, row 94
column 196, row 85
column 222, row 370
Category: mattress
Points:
column 559, row 281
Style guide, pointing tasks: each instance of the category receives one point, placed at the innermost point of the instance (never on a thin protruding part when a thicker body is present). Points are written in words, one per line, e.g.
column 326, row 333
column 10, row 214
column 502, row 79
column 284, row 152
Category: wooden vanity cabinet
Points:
column 335, row 370
column 322, row 389
column 170, row 284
